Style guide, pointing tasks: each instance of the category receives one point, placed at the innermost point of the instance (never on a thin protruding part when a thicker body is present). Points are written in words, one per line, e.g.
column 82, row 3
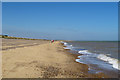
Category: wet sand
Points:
column 40, row 59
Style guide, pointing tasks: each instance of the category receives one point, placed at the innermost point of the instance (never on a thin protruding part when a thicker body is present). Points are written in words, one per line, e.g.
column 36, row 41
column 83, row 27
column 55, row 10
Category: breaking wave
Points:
column 114, row 62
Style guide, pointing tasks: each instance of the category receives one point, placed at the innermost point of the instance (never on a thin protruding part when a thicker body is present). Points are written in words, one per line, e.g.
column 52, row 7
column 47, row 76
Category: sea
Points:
column 100, row 56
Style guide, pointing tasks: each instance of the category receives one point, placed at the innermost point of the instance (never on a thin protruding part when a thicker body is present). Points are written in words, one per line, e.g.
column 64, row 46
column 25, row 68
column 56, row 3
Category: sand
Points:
column 40, row 59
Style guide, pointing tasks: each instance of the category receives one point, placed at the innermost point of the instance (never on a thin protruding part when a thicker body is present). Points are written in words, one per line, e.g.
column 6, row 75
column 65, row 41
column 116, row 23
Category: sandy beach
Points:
column 40, row 59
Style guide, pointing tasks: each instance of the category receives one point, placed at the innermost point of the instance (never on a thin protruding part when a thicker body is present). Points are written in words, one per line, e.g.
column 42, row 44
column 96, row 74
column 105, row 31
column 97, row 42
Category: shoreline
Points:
column 45, row 60
column 105, row 74
column 89, row 75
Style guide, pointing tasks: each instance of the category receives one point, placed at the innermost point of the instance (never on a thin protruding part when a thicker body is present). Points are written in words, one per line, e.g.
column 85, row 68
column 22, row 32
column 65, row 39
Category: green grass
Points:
column 9, row 37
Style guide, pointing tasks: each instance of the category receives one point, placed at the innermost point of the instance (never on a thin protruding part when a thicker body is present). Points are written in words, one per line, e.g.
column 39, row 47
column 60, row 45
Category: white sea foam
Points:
column 67, row 46
column 115, row 63
column 84, row 52
column 65, row 43
column 78, row 60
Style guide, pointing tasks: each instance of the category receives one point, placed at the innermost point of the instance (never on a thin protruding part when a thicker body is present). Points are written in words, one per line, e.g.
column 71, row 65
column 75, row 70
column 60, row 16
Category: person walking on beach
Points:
column 52, row 41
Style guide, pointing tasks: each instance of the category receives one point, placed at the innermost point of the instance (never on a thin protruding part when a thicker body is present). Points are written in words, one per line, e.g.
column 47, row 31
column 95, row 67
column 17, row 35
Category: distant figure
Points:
column 52, row 41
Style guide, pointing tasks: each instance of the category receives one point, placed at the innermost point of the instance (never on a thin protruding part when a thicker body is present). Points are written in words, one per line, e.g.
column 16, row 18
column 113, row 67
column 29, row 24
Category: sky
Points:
column 86, row 21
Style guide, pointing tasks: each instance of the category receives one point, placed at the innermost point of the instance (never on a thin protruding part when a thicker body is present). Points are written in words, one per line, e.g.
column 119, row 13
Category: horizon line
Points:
column 57, row 39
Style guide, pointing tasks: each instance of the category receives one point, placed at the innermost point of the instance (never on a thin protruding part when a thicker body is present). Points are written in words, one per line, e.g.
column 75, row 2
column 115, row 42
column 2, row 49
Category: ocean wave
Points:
column 115, row 62
column 84, row 52
column 67, row 46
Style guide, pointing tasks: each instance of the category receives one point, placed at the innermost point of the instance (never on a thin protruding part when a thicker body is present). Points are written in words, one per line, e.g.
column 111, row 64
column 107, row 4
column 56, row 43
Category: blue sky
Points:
column 61, row 20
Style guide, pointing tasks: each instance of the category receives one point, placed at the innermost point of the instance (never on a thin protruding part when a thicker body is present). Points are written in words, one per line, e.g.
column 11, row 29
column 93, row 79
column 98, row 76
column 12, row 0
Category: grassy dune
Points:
column 10, row 37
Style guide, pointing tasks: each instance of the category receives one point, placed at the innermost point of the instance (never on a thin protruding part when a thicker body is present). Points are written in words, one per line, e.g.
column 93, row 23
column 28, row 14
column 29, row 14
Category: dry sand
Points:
column 40, row 59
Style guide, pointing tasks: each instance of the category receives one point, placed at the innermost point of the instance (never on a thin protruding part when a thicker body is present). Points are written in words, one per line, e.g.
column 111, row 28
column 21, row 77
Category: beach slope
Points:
column 40, row 60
